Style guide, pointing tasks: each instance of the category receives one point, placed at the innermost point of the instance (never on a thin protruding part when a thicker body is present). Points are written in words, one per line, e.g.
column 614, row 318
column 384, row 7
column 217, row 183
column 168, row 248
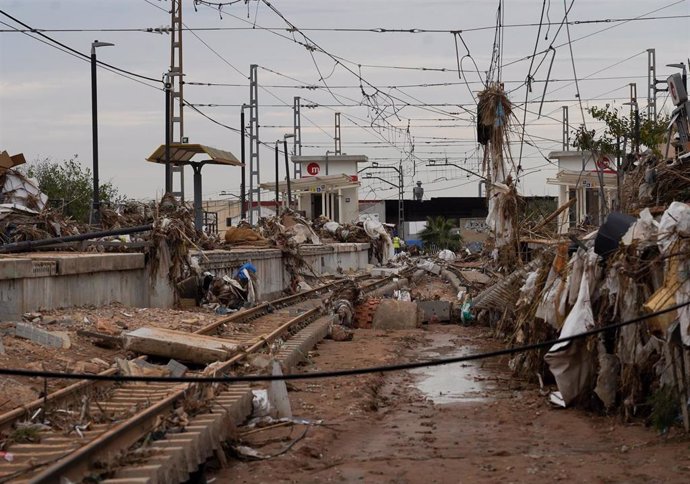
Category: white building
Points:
column 581, row 178
column 329, row 186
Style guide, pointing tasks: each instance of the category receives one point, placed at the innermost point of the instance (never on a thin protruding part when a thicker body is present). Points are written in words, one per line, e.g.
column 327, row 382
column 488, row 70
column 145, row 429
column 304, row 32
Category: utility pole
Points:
column 566, row 130
column 651, row 84
column 176, row 119
column 277, row 180
column 254, row 173
column 297, row 132
column 635, row 116
column 338, row 148
column 243, row 182
column 168, row 102
column 401, row 201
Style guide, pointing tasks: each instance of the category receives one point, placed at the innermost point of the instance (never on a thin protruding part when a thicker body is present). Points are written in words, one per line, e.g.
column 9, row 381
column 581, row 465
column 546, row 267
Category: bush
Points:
column 69, row 186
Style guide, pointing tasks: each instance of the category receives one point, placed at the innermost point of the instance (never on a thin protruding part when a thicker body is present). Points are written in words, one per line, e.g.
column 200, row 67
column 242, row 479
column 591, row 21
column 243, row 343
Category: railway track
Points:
column 120, row 415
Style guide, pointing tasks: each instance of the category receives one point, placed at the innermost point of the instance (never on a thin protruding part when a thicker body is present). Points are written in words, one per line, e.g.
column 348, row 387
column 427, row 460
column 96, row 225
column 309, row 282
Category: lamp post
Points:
column 95, row 210
column 287, row 168
column 681, row 65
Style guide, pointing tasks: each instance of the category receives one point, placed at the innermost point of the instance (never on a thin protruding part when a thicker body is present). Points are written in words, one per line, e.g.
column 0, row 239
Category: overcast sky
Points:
column 45, row 101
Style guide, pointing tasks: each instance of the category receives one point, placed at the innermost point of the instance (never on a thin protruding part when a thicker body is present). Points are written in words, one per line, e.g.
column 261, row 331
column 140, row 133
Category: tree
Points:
column 438, row 232
column 651, row 133
column 71, row 185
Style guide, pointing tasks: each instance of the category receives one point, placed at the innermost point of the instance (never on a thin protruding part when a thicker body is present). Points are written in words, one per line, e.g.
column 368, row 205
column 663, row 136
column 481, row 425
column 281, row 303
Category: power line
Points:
column 314, row 87
column 342, row 373
column 74, row 51
column 641, row 16
column 375, row 30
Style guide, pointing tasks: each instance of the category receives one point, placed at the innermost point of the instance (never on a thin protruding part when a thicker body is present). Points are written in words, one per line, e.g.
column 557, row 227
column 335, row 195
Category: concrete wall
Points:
column 45, row 281
column 349, row 205
column 271, row 274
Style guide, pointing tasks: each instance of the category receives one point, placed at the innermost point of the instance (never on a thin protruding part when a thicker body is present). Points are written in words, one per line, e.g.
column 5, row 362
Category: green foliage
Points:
column 438, row 232
column 651, row 134
column 70, row 186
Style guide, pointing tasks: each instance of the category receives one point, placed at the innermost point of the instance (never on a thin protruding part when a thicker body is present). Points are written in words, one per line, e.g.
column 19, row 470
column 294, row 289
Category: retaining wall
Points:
column 51, row 280
column 270, row 267
column 44, row 281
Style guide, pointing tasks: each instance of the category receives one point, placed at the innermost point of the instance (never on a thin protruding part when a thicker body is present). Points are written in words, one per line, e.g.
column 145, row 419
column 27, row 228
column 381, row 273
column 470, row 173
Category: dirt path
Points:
column 484, row 427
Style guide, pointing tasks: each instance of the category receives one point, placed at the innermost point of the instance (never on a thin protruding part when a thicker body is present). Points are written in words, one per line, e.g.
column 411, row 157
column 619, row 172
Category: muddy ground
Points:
column 83, row 355
column 453, row 424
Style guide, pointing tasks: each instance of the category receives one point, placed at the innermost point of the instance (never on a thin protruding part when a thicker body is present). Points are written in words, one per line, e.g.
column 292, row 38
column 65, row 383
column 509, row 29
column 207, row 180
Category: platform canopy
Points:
column 182, row 154
column 311, row 183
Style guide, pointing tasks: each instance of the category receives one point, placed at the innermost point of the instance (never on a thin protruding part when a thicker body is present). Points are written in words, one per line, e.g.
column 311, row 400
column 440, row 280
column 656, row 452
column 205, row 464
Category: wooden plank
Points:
column 195, row 348
column 555, row 214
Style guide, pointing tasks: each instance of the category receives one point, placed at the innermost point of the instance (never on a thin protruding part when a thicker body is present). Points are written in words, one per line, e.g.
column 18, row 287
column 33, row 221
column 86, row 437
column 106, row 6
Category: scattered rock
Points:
column 141, row 368
column 107, row 327
column 55, row 339
column 86, row 367
column 340, row 333
column 260, row 361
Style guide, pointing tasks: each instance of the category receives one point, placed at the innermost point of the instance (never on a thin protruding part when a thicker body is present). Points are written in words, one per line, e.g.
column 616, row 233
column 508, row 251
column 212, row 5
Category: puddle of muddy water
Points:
column 452, row 383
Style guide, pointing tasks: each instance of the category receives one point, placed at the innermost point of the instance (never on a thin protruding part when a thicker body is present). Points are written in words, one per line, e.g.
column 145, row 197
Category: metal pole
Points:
column 566, row 129
column 297, row 131
column 651, row 84
column 254, row 164
column 32, row 244
column 177, row 95
column 243, row 186
column 198, row 215
column 277, row 182
column 95, row 215
column 619, row 173
column 338, row 150
column 287, row 173
column 168, row 168
column 401, row 201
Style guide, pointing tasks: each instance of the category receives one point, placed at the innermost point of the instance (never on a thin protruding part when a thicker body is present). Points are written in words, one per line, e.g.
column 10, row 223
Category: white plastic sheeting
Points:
column 496, row 220
column 674, row 223
column 20, row 193
column 569, row 361
column 447, row 255
column 376, row 230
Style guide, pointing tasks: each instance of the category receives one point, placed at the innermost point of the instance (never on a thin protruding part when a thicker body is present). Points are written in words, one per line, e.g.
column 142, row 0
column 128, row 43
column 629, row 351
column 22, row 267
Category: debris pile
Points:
column 493, row 119
column 572, row 288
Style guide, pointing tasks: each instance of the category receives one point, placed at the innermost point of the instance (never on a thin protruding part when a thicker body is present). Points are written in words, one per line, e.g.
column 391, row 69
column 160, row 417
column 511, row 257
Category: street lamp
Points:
column 95, row 210
column 681, row 65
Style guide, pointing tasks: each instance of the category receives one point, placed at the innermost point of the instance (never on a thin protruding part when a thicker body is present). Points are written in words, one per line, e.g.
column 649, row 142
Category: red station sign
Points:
column 313, row 169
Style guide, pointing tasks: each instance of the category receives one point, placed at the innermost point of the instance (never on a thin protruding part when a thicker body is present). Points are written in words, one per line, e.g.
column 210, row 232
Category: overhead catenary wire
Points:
column 341, row 373
column 347, row 30
column 75, row 51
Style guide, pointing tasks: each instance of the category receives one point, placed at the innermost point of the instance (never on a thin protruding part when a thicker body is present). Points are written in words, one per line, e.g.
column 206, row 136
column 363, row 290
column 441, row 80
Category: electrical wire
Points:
column 343, row 373
column 347, row 30
column 74, row 51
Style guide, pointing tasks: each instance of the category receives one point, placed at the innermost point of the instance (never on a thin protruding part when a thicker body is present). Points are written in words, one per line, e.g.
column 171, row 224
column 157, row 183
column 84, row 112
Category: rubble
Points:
column 393, row 314
column 180, row 345
column 55, row 339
